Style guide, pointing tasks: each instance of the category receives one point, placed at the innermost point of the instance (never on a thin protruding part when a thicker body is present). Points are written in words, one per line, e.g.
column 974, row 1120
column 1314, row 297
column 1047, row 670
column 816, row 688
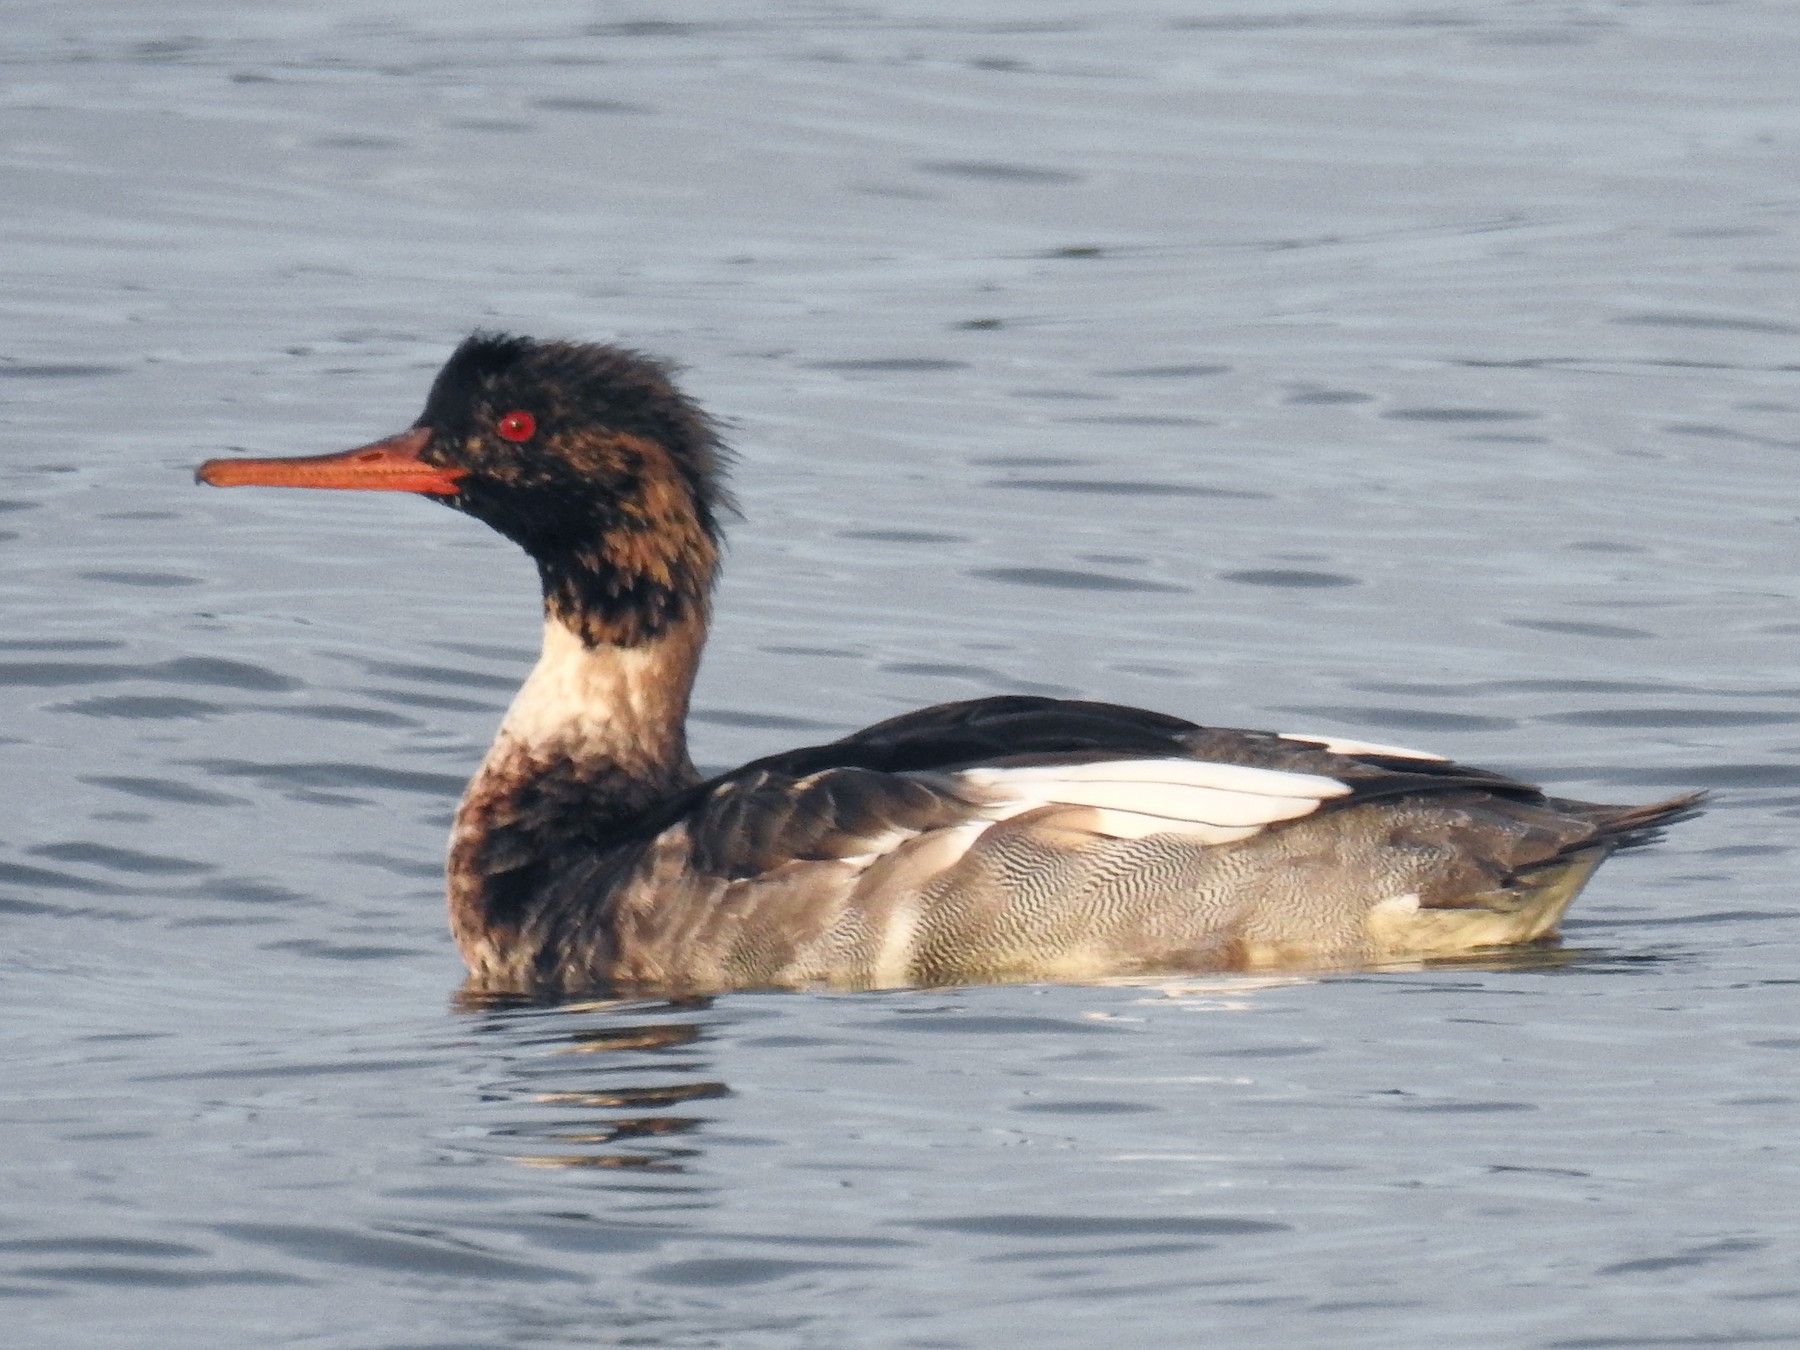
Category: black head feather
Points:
column 617, row 490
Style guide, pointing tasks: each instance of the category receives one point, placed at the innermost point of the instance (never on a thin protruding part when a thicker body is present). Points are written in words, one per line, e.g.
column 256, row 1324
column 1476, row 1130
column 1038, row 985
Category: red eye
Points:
column 517, row 426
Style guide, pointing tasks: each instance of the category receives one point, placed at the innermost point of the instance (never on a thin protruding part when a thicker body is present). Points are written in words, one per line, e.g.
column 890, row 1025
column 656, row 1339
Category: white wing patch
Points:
column 1342, row 745
column 1132, row 798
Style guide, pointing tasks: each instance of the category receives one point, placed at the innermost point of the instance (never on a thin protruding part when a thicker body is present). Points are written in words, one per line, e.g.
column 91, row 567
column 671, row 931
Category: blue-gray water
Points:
column 1423, row 373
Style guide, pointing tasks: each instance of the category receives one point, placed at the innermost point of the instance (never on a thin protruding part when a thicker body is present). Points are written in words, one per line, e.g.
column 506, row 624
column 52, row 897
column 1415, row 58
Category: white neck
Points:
column 617, row 709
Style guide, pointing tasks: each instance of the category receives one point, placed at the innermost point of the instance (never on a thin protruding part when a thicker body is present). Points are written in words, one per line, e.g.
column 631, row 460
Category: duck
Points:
column 1006, row 838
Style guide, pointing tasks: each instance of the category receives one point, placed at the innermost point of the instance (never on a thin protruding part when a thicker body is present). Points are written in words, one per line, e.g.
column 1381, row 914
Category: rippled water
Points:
column 1424, row 374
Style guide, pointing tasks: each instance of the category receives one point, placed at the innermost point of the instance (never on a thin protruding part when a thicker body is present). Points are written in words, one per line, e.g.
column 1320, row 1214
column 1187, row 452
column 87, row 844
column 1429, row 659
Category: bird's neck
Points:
column 614, row 709
column 595, row 737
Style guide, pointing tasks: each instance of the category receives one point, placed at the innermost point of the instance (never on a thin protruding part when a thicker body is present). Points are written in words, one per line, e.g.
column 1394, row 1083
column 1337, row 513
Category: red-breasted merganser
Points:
column 999, row 838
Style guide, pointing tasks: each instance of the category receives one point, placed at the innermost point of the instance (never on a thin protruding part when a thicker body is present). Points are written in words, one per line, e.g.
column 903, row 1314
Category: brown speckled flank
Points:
column 1003, row 838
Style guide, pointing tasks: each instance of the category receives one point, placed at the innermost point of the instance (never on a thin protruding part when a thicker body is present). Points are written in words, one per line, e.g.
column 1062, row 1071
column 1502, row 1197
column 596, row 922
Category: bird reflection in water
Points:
column 616, row 1083
column 612, row 1075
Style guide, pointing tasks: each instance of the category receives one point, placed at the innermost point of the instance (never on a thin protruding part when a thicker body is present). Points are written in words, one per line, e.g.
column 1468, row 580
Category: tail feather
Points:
column 1634, row 826
column 1531, row 884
